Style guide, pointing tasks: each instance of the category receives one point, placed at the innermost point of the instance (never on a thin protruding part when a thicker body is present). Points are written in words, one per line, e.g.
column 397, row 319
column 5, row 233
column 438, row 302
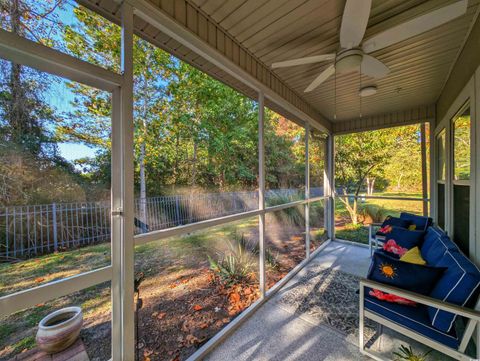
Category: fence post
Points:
column 54, row 221
column 177, row 211
column 6, row 231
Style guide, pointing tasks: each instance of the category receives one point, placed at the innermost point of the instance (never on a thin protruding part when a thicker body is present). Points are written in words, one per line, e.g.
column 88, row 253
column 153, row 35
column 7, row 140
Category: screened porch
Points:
column 201, row 178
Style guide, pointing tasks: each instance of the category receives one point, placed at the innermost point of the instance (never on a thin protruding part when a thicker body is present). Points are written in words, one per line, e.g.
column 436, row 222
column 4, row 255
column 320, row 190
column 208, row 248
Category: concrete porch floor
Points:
column 276, row 333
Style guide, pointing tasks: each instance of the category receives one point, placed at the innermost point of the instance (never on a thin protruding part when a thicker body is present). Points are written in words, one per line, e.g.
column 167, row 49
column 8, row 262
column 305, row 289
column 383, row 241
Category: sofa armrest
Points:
column 419, row 298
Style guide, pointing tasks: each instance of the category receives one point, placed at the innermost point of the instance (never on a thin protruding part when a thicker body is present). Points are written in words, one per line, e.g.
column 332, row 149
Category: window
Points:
column 65, row 26
column 55, row 194
column 441, row 176
column 441, row 156
column 284, row 242
column 196, row 144
column 316, row 154
column 461, row 136
column 461, row 146
column 284, row 160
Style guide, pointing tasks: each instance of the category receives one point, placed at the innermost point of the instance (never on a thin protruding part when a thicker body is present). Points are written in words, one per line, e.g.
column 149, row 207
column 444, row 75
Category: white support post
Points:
column 261, row 192
column 329, row 186
column 433, row 172
column 123, row 335
column 307, row 191
column 423, row 147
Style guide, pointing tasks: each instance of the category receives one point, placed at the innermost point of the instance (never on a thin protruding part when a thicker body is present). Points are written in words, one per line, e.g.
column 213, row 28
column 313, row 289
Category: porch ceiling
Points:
column 276, row 30
column 260, row 32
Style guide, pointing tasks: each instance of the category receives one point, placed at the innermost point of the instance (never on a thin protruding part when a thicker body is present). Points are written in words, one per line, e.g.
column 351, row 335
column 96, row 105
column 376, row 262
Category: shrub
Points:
column 374, row 213
column 406, row 353
column 237, row 264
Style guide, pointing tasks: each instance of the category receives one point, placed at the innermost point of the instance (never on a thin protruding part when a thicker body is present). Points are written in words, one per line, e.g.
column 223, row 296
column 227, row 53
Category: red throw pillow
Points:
column 392, row 247
column 391, row 298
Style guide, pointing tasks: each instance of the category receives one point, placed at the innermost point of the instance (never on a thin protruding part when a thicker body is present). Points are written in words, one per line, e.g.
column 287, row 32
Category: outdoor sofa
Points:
column 444, row 319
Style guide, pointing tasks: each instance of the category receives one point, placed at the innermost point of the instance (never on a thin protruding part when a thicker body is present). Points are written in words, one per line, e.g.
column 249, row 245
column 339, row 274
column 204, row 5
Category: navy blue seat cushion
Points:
column 421, row 222
column 409, row 276
column 413, row 318
column 392, row 221
column 435, row 244
column 405, row 238
column 457, row 285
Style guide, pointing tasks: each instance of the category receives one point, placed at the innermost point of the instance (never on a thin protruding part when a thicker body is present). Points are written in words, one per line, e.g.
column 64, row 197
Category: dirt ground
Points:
column 185, row 302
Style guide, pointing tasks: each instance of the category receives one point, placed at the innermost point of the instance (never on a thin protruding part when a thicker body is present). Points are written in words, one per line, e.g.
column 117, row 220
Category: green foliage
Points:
column 374, row 213
column 406, row 353
column 237, row 264
column 24, row 344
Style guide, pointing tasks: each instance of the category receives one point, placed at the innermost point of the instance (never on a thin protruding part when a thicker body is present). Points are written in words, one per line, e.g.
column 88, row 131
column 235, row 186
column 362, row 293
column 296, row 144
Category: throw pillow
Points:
column 407, row 276
column 413, row 256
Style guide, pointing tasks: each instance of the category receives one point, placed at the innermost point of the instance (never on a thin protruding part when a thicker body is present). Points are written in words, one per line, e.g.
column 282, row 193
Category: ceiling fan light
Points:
column 367, row 91
column 348, row 63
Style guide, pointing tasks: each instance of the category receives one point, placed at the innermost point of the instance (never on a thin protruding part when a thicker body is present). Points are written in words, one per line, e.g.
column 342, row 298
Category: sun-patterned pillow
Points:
column 408, row 276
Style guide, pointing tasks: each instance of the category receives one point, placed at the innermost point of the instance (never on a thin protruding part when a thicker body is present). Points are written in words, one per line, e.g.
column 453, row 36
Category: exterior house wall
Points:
column 463, row 70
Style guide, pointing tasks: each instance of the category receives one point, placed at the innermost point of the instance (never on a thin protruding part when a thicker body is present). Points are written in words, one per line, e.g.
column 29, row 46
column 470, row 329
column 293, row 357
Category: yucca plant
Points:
column 254, row 248
column 236, row 265
column 406, row 353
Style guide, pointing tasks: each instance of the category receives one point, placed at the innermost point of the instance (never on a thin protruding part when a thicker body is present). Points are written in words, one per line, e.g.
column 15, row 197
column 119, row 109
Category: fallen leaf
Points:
column 161, row 315
column 39, row 279
column 247, row 291
column 147, row 352
column 204, row 325
column 197, row 307
column 234, row 297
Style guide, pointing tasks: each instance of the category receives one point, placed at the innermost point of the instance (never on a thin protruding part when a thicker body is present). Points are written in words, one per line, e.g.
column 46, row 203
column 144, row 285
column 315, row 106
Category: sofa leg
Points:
column 370, row 234
column 361, row 318
column 477, row 339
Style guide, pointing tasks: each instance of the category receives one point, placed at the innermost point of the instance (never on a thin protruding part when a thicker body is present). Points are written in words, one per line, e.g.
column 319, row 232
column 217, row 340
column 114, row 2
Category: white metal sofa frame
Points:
column 373, row 238
column 473, row 317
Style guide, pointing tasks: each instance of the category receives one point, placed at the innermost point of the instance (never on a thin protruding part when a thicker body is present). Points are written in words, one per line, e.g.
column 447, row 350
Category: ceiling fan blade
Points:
column 415, row 26
column 373, row 67
column 354, row 22
column 324, row 75
column 301, row 61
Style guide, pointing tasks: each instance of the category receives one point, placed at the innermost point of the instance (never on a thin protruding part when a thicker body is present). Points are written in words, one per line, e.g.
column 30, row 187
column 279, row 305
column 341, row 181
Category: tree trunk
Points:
column 399, row 181
column 370, row 185
column 194, row 165
column 16, row 91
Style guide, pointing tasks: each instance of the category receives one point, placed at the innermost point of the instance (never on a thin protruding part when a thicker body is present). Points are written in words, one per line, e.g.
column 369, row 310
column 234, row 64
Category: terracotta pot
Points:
column 59, row 329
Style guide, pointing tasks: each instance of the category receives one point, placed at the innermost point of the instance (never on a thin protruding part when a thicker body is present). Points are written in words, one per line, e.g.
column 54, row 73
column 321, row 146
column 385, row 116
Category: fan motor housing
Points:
column 348, row 60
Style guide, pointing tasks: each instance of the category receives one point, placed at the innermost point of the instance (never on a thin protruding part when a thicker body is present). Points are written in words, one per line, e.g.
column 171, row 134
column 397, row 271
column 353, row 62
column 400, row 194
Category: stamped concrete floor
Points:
column 275, row 333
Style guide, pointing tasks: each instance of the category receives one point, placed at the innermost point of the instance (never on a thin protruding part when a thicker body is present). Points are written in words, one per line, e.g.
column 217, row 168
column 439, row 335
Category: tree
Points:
column 30, row 163
column 357, row 157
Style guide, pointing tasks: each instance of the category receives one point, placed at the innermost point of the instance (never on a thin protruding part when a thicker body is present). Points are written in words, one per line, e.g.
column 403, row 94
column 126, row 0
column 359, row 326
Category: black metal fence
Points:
column 38, row 229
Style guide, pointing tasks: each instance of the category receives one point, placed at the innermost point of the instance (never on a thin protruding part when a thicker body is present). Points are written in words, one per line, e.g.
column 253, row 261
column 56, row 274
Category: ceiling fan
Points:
column 353, row 54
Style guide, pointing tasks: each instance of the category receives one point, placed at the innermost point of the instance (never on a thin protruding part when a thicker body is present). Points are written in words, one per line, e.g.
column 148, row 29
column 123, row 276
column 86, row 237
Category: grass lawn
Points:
column 372, row 210
column 182, row 296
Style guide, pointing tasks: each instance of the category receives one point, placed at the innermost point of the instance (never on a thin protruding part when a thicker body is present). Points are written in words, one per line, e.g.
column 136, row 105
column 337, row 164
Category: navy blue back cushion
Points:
column 457, row 285
column 421, row 222
column 395, row 221
column 408, row 276
column 405, row 238
column 435, row 244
